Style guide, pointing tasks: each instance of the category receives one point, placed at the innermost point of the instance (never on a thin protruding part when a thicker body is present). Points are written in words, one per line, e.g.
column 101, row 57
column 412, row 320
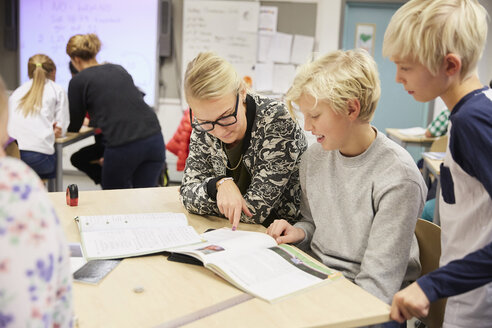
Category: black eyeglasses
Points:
column 222, row 121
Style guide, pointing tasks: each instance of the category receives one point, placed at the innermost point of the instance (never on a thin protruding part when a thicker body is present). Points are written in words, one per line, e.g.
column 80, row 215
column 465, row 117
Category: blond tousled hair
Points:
column 209, row 76
column 39, row 67
column 426, row 31
column 336, row 78
column 84, row 46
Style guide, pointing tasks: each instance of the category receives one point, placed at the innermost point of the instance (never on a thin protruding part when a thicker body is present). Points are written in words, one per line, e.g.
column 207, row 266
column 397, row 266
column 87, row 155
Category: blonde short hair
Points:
column 84, row 46
column 337, row 78
column 426, row 31
column 209, row 76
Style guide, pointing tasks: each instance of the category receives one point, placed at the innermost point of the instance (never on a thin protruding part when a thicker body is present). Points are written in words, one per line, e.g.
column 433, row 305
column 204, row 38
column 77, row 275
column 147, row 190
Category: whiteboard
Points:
column 228, row 28
column 128, row 31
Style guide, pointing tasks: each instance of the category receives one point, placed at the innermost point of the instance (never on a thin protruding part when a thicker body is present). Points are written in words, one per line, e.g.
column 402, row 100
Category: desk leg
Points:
column 59, row 167
column 425, row 174
column 437, row 219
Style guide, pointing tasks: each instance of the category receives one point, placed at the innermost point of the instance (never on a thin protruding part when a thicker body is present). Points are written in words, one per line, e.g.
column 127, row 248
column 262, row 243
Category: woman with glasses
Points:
column 244, row 149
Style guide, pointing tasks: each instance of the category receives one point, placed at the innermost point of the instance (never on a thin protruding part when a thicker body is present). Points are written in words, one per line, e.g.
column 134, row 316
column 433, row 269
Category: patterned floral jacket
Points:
column 35, row 277
column 272, row 158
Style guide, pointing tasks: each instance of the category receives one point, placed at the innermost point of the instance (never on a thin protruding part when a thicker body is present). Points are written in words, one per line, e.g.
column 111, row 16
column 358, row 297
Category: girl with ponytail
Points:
column 38, row 115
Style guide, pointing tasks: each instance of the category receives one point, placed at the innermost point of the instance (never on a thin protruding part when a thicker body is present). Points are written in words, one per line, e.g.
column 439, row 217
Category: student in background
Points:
column 439, row 126
column 38, row 115
column 35, row 277
column 89, row 159
column 436, row 46
column 361, row 192
column 244, row 149
column 135, row 153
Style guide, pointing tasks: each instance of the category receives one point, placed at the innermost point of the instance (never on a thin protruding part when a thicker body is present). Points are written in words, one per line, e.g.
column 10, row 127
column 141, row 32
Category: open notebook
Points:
column 120, row 236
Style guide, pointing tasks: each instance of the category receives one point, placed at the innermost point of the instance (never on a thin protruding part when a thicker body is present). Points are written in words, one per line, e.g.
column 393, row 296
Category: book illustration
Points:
column 210, row 249
column 298, row 262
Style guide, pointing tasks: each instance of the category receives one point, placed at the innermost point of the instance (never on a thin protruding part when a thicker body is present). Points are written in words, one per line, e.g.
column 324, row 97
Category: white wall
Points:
column 485, row 65
column 328, row 25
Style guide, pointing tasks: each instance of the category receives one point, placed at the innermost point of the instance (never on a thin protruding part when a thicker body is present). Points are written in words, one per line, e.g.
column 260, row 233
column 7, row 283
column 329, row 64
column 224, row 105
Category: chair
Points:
column 429, row 239
column 12, row 148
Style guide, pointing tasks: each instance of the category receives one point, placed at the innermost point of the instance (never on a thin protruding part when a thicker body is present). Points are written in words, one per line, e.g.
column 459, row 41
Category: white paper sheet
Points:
column 268, row 19
column 248, row 19
column 302, row 49
column 280, row 48
column 417, row 131
column 264, row 43
column 283, row 75
column 263, row 77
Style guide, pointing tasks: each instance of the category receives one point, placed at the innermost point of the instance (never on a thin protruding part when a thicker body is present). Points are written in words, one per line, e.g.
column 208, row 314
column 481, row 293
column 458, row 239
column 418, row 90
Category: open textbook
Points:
column 253, row 262
column 119, row 236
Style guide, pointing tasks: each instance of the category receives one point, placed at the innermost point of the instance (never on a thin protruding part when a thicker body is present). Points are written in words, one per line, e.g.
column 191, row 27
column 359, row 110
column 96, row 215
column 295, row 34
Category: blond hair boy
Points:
column 361, row 193
column 436, row 46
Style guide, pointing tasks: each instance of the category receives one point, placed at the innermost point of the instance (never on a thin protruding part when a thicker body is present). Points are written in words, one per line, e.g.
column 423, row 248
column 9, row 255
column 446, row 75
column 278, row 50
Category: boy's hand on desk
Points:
column 231, row 203
column 285, row 233
column 408, row 303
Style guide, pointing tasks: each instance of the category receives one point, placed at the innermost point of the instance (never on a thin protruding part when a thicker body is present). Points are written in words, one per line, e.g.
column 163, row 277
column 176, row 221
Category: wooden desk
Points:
column 70, row 138
column 405, row 140
column 433, row 166
column 173, row 291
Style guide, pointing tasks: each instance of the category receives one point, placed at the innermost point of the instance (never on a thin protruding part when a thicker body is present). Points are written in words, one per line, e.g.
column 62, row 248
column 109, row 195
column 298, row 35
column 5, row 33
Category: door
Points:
column 396, row 108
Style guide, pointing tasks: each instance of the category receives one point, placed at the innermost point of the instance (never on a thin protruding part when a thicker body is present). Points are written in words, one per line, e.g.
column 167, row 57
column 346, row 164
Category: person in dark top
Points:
column 135, row 153
column 89, row 159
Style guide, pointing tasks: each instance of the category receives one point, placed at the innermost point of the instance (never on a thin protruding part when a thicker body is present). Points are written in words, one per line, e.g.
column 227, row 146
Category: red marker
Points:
column 72, row 195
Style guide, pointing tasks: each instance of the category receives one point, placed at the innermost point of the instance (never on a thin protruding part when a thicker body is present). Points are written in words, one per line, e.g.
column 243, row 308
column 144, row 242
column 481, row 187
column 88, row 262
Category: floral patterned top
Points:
column 35, row 277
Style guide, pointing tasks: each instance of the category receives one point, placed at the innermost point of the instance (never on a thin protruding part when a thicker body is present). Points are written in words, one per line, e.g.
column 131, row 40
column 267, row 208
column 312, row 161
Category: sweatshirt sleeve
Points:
column 459, row 276
column 387, row 255
column 306, row 223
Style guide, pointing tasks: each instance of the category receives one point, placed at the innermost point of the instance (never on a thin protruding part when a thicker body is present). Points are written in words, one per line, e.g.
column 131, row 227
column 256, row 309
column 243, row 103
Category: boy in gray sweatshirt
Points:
column 361, row 192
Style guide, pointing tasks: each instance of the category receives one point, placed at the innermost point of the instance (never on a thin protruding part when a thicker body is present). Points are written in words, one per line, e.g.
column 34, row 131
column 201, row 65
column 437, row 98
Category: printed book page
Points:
column 127, row 221
column 223, row 242
column 272, row 273
column 253, row 262
column 119, row 236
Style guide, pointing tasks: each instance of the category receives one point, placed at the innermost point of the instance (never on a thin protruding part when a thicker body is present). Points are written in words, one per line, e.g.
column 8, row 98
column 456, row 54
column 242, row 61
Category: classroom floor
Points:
column 84, row 183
